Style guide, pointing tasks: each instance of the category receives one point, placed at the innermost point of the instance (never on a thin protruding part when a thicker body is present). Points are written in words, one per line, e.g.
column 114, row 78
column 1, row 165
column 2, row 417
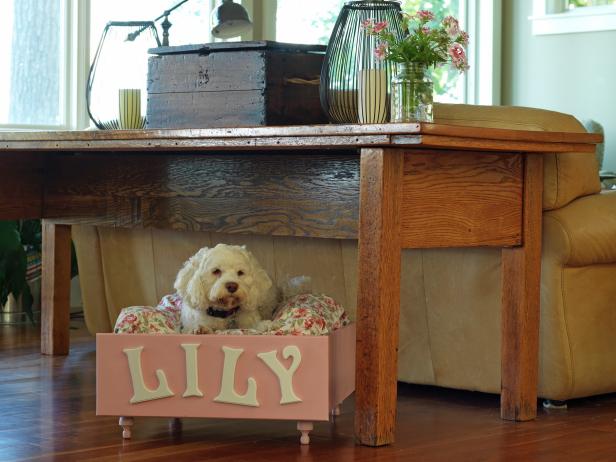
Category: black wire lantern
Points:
column 118, row 74
column 355, row 85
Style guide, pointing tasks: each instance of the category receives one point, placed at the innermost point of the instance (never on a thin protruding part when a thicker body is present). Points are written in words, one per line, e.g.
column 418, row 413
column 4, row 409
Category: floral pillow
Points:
column 306, row 314
column 164, row 319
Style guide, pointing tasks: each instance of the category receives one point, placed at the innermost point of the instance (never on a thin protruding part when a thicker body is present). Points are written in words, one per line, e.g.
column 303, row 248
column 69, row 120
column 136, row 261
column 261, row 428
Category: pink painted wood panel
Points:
column 312, row 381
column 342, row 364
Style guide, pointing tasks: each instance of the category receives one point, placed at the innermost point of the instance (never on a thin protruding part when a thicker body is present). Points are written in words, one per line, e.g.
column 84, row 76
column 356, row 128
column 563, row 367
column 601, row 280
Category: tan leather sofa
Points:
column 450, row 314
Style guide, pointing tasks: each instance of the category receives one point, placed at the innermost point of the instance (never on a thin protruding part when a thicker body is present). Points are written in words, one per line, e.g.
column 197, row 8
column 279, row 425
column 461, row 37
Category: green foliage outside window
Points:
column 444, row 78
column 325, row 22
column 581, row 3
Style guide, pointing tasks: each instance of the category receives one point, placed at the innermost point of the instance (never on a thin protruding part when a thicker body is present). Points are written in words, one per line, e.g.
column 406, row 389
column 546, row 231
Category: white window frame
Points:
column 263, row 16
column 484, row 24
column 78, row 50
column 551, row 17
column 73, row 74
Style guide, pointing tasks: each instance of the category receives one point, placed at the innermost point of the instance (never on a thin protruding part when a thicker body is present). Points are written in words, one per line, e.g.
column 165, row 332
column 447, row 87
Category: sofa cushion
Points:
column 566, row 176
column 582, row 233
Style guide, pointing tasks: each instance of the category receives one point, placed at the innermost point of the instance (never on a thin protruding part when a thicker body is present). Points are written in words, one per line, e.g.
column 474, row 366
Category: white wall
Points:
column 572, row 73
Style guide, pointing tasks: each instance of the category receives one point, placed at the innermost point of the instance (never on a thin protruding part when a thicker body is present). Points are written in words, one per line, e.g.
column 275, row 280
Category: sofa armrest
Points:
column 583, row 232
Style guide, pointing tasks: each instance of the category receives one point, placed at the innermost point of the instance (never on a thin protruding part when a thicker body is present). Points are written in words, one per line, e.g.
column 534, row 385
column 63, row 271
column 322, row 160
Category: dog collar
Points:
column 222, row 313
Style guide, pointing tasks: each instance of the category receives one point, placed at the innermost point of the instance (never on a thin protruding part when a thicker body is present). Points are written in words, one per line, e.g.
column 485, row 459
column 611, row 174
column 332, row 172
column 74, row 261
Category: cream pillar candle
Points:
column 372, row 96
column 129, row 100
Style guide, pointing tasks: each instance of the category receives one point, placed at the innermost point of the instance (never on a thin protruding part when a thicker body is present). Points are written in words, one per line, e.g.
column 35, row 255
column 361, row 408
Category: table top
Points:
column 409, row 135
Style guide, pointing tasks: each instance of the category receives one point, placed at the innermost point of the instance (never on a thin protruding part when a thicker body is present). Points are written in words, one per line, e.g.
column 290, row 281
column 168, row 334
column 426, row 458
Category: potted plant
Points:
column 425, row 44
column 20, row 265
column 17, row 238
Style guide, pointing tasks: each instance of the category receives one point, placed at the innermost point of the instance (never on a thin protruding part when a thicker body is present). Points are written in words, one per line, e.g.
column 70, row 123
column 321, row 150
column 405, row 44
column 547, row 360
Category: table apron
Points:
column 452, row 199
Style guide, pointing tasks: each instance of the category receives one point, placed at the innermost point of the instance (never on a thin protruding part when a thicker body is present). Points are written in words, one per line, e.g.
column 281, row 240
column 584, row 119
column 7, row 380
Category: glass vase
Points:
column 412, row 94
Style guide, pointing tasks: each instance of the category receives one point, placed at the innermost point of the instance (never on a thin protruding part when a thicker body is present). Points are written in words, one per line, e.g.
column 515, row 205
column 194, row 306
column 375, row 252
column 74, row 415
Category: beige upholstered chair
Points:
column 450, row 319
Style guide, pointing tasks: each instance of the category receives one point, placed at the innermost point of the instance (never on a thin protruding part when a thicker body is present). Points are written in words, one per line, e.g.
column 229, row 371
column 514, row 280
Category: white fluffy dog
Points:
column 224, row 287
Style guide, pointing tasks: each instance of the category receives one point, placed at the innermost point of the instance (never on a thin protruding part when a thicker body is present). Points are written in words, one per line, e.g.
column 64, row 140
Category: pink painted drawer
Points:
column 299, row 378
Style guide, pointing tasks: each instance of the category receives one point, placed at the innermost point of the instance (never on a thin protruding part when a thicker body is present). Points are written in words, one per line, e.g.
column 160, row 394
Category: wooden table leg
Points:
column 55, row 291
column 378, row 299
column 521, row 279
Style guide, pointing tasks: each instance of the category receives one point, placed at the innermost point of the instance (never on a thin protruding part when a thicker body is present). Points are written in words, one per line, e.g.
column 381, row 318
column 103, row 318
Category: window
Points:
column 45, row 65
column 314, row 22
column 43, row 69
column 571, row 16
column 50, row 43
column 32, row 90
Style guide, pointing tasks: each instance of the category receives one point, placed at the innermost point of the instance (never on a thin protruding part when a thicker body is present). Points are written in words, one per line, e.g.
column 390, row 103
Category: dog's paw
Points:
column 202, row 330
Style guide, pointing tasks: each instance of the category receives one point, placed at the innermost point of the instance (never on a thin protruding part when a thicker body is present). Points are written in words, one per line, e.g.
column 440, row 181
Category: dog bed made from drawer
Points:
column 290, row 374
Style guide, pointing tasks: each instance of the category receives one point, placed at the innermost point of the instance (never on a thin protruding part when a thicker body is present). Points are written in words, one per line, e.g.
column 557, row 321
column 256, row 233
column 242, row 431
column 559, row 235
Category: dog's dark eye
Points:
column 216, row 272
column 240, row 273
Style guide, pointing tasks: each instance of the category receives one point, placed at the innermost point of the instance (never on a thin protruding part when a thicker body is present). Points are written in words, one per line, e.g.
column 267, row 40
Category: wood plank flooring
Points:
column 47, row 413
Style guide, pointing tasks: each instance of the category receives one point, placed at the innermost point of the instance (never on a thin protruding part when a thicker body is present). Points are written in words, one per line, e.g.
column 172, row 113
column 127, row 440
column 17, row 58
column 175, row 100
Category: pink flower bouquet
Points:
column 423, row 43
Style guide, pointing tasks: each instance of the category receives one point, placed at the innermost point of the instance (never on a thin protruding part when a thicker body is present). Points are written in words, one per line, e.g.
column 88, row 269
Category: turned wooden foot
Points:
column 126, row 423
column 304, row 428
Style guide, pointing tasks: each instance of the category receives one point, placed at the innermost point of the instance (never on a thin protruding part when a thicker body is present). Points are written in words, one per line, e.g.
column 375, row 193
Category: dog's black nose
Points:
column 231, row 287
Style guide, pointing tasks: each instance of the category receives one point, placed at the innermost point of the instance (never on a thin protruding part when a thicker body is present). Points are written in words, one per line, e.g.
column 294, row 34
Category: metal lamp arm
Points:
column 166, row 24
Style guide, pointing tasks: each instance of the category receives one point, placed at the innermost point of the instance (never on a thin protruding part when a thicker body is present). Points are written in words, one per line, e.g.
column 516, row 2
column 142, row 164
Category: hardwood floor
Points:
column 47, row 413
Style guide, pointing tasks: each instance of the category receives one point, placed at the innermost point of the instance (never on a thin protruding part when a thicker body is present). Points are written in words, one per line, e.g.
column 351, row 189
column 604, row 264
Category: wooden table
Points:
column 393, row 186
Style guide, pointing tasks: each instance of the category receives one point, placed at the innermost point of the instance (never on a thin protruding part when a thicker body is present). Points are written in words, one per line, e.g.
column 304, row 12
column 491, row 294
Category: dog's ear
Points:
column 187, row 272
column 260, row 289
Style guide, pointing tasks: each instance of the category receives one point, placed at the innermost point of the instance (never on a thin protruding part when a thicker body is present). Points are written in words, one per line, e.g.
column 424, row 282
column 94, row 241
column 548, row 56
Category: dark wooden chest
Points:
column 237, row 84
